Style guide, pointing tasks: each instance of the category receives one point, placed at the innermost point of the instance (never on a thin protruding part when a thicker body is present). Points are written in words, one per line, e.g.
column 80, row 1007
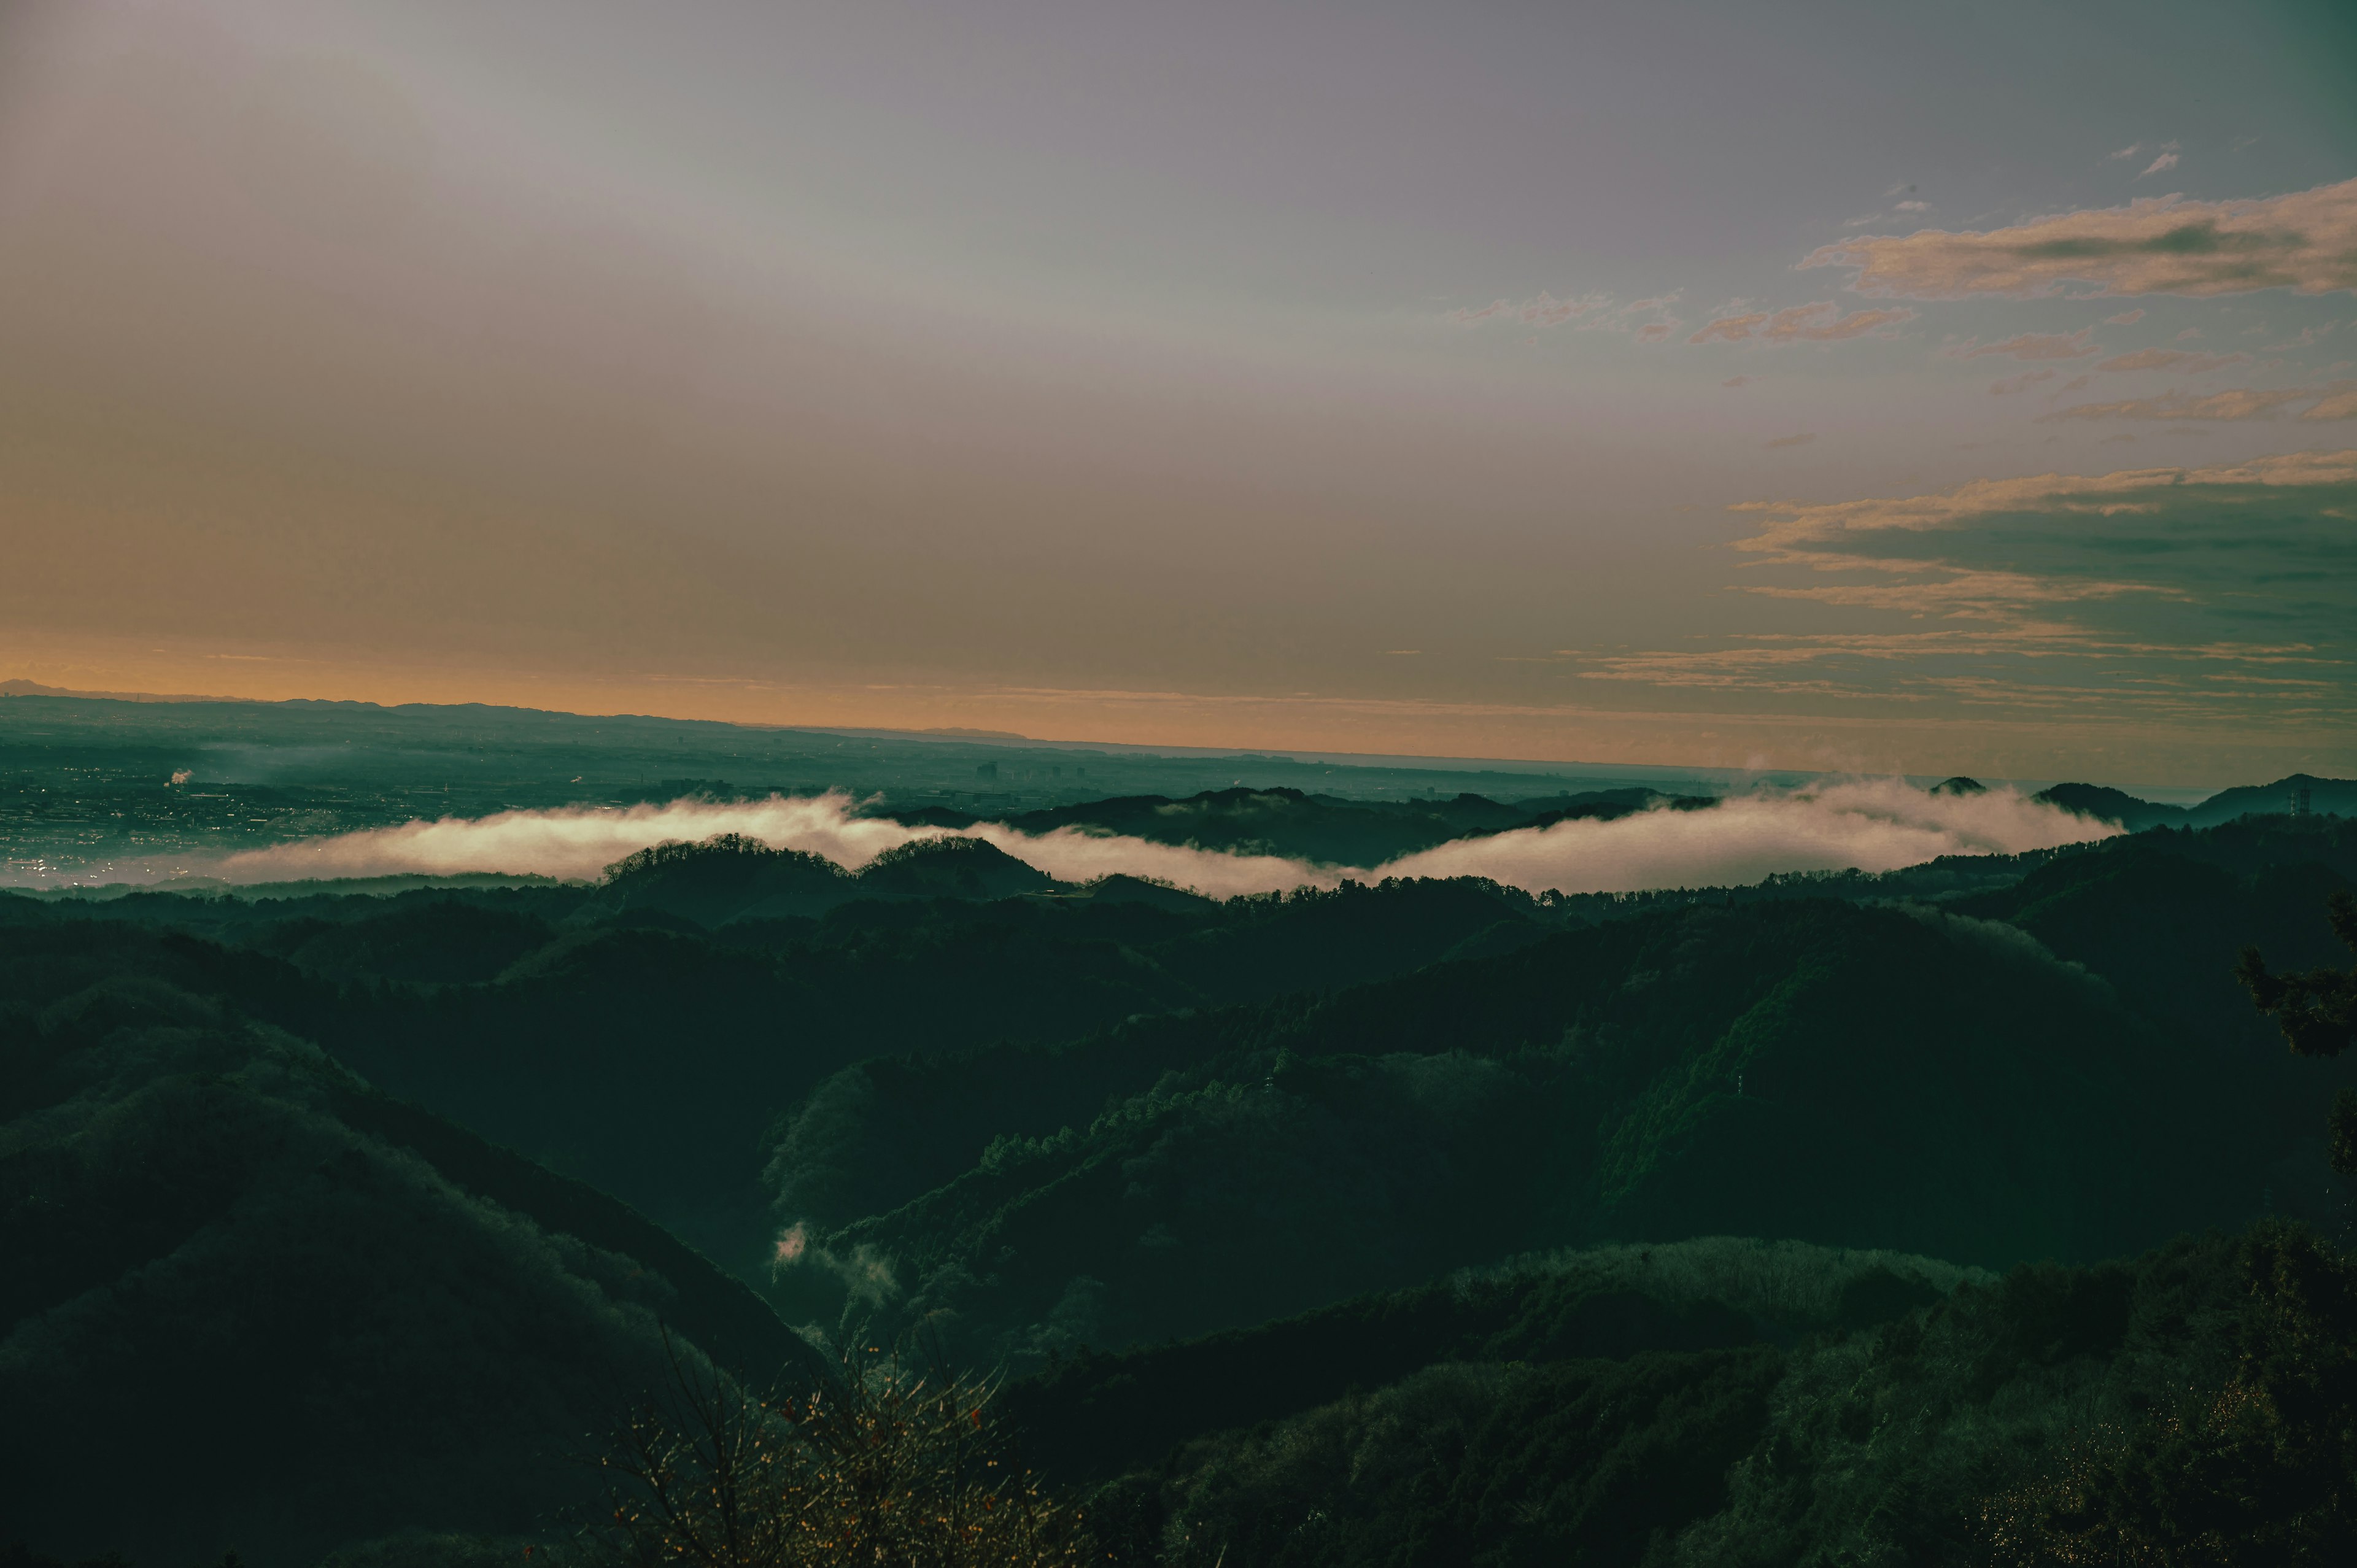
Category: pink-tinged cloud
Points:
column 2126, row 317
column 2306, row 241
column 2160, row 165
column 2038, row 346
column 1821, row 322
column 2170, row 359
column 1733, row 329
column 2340, row 401
column 1466, row 317
column 2022, row 382
column 2336, row 402
column 1801, row 440
column 1794, row 525
column 1654, row 332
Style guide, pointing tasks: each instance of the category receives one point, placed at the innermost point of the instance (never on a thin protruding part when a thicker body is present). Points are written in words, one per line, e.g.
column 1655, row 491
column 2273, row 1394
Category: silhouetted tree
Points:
column 886, row 1467
column 2316, row 1009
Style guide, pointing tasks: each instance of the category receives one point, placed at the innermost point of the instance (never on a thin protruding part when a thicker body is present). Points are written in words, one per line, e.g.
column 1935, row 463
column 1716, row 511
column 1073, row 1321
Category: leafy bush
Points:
column 883, row 1467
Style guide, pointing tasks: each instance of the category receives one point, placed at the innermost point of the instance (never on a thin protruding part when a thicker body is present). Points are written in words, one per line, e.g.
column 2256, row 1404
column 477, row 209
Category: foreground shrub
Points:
column 889, row 1468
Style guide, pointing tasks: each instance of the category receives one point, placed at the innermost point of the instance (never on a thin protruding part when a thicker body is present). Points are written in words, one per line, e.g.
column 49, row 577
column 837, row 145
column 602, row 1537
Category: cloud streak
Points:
column 2170, row 359
column 1876, row 824
column 1872, row 824
column 577, row 843
column 1821, row 322
column 2338, row 401
column 2306, row 241
column 2038, row 346
column 2159, row 595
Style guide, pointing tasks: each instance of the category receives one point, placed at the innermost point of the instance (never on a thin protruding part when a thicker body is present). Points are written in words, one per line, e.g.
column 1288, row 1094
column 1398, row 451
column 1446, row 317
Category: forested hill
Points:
column 375, row 1199
column 326, row 1314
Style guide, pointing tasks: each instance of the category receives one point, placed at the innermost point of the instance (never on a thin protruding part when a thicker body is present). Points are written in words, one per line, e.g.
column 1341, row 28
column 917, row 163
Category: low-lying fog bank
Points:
column 1871, row 825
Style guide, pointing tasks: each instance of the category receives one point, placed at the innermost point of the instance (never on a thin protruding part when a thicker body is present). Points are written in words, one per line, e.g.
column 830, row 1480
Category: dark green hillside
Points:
column 614, row 1036
column 950, row 868
column 2192, row 1406
column 2335, row 797
column 1841, row 1074
column 726, row 878
column 651, row 1063
column 436, row 942
column 644, row 1054
column 1094, row 1415
column 251, row 1303
column 2109, row 805
column 2163, row 916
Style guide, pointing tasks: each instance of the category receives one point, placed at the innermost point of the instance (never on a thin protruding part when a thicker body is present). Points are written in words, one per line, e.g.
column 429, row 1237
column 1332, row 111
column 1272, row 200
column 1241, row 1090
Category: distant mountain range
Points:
column 2323, row 798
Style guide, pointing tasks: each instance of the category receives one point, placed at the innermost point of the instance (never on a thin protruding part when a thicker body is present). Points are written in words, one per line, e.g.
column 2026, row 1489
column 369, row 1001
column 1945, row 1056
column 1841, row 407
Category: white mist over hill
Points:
column 1872, row 824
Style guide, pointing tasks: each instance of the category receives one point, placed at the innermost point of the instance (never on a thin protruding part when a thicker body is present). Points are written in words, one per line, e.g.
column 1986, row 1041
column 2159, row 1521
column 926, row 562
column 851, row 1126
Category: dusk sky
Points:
column 1879, row 387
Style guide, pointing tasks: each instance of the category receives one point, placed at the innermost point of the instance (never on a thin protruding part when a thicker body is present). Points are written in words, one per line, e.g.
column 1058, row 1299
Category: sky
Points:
column 1857, row 387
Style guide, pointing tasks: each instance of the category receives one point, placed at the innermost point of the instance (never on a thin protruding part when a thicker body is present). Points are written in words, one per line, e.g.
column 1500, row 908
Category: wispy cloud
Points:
column 2306, row 337
column 2126, row 317
column 1821, row 322
column 2333, row 402
column 2035, row 345
column 2171, row 360
column 2160, row 165
column 2022, row 382
column 1801, row 440
column 1873, row 824
column 1548, row 311
column 2306, row 241
column 2156, row 595
column 577, row 843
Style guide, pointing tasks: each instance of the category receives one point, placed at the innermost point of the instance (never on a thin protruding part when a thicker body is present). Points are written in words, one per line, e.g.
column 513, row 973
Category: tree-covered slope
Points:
column 1094, row 1415
column 625, row 1045
column 252, row 1304
column 2193, row 1405
column 1848, row 1076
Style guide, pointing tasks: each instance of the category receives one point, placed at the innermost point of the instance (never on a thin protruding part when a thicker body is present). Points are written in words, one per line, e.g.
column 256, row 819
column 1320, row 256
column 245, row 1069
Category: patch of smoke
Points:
column 866, row 1275
column 1866, row 823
